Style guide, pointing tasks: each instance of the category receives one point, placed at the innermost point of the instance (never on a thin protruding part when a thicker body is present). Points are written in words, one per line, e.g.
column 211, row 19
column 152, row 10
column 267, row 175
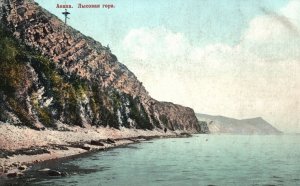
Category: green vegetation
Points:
column 116, row 100
column 20, row 111
column 45, row 116
column 12, row 72
column 138, row 113
column 13, row 75
column 155, row 122
column 104, row 105
column 164, row 119
column 19, row 66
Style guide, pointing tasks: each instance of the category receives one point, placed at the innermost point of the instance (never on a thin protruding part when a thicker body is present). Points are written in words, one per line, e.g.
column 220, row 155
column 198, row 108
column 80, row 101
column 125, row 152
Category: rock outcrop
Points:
column 52, row 73
column 221, row 124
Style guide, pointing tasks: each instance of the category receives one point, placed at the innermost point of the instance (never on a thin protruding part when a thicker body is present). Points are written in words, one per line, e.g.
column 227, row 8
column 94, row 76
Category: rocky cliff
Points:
column 51, row 73
column 221, row 124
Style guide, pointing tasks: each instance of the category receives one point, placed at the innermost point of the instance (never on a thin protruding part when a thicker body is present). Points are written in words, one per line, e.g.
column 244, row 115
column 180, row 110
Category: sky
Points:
column 234, row 58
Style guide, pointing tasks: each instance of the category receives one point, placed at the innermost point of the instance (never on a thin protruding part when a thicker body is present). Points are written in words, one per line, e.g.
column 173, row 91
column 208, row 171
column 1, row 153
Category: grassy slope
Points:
column 67, row 91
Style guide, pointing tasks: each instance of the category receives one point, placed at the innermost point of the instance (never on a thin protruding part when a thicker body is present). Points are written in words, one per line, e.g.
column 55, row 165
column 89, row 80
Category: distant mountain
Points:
column 221, row 124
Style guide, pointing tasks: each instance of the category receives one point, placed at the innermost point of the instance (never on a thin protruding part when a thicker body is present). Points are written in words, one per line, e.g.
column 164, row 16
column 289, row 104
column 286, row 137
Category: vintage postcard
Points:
column 140, row 92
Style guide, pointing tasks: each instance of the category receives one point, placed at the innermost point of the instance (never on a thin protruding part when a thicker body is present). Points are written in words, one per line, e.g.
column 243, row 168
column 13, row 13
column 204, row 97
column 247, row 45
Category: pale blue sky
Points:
column 202, row 21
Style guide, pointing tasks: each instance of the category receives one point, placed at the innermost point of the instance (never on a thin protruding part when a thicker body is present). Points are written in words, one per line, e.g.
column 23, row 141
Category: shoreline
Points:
column 32, row 146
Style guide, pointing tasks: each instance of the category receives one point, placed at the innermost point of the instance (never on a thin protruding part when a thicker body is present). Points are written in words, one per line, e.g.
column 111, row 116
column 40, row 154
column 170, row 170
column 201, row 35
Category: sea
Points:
column 204, row 159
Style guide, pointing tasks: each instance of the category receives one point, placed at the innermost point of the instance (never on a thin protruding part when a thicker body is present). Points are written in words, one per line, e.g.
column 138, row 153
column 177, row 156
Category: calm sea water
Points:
column 199, row 160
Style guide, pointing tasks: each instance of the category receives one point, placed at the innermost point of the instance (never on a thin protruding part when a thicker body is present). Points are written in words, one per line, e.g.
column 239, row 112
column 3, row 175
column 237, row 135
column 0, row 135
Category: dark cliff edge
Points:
column 221, row 124
column 51, row 73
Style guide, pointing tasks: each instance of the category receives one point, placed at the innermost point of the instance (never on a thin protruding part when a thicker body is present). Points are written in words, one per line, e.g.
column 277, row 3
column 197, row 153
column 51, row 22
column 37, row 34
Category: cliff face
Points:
column 221, row 124
column 52, row 73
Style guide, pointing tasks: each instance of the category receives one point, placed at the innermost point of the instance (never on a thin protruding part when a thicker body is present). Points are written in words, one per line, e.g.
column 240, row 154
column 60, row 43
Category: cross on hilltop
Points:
column 66, row 13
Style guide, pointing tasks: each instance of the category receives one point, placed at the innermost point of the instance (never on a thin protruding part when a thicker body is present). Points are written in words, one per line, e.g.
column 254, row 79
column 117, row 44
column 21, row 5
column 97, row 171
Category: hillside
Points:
column 53, row 74
column 221, row 124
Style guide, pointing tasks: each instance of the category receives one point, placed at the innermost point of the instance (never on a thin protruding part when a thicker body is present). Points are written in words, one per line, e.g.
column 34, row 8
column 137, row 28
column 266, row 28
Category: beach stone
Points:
column 110, row 140
column 63, row 148
column 11, row 175
column 4, row 169
column 33, row 151
column 42, row 128
column 64, row 174
column 85, row 147
column 54, row 173
column 44, row 170
column 98, row 143
column 15, row 164
column 185, row 134
column 22, row 167
column 60, row 147
column 20, row 174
